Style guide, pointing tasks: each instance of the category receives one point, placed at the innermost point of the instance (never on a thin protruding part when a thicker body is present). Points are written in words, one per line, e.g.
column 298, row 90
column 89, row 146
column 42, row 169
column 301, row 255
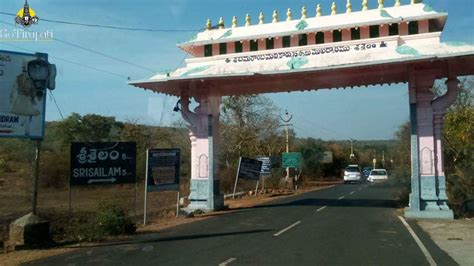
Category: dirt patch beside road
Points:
column 158, row 224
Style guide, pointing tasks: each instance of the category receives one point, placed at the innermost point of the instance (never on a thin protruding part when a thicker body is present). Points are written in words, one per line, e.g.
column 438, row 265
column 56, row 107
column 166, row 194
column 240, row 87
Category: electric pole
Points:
column 286, row 121
column 383, row 159
column 374, row 160
column 352, row 150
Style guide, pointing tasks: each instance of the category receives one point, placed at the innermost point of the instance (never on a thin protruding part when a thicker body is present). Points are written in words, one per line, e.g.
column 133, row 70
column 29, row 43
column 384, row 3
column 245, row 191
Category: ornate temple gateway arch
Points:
column 387, row 45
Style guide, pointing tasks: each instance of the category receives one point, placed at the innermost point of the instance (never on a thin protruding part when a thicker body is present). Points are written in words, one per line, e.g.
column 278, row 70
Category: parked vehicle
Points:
column 352, row 173
column 377, row 175
column 366, row 171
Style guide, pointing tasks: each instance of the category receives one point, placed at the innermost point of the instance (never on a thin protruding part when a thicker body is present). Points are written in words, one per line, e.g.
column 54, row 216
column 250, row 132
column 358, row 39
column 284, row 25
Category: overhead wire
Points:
column 56, row 103
column 166, row 96
column 107, row 26
column 91, row 51
column 323, row 128
column 70, row 62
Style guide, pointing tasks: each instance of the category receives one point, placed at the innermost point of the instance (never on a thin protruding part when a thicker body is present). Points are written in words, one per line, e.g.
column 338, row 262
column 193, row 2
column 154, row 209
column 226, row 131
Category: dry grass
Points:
column 160, row 219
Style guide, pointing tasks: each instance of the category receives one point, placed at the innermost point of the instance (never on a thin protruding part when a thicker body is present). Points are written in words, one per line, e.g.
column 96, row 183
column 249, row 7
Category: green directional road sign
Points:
column 291, row 159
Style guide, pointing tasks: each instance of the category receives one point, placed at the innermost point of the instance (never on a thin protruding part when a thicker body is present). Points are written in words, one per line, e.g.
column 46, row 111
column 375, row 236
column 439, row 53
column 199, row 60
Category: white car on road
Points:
column 377, row 175
column 352, row 174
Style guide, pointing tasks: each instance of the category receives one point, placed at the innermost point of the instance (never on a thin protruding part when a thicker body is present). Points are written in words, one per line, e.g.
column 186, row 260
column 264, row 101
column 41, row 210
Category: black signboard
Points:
column 163, row 169
column 102, row 163
column 266, row 165
column 249, row 168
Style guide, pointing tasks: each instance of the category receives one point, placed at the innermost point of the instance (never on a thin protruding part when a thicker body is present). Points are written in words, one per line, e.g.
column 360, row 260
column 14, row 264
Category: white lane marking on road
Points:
column 360, row 188
column 288, row 228
column 224, row 263
column 341, row 197
column 352, row 193
column 418, row 241
column 322, row 208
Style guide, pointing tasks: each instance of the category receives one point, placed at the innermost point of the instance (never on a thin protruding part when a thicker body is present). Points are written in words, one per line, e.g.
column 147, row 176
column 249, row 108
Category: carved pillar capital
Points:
column 442, row 103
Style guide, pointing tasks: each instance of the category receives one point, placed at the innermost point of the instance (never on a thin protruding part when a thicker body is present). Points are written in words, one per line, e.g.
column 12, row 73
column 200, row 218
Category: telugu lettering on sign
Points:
column 103, row 163
column 308, row 52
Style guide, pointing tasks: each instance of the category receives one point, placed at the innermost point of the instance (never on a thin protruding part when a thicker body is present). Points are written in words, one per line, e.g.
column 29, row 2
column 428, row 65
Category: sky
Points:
column 373, row 112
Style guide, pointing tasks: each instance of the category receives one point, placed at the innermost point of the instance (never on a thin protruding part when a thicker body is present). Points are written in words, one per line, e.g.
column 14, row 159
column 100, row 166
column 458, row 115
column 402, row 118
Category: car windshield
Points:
column 378, row 172
column 352, row 169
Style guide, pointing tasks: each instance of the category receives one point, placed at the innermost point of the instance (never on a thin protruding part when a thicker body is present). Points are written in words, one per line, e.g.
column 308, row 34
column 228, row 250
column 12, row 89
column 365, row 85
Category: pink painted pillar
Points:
column 262, row 45
column 346, row 35
column 403, row 28
column 440, row 105
column 231, row 47
column 328, row 37
column 294, row 40
column 384, row 30
column 311, row 38
column 423, row 26
column 428, row 198
column 364, row 32
column 204, row 142
column 426, row 148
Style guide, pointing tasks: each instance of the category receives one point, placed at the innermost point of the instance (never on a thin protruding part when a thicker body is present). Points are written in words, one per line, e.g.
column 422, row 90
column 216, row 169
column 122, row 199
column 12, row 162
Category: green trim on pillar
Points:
column 297, row 62
column 226, row 34
column 415, row 171
column 301, row 25
column 457, row 44
column 428, row 8
column 385, row 14
column 407, row 50
column 194, row 71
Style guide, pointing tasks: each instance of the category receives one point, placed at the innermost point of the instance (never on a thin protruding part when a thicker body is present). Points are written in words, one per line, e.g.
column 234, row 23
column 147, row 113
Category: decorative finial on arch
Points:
column 365, row 5
column 208, row 24
column 247, row 20
column 261, row 18
column 380, row 4
column 275, row 16
column 234, row 22
column 221, row 23
column 397, row 3
column 318, row 10
column 304, row 13
column 333, row 8
column 288, row 15
column 348, row 6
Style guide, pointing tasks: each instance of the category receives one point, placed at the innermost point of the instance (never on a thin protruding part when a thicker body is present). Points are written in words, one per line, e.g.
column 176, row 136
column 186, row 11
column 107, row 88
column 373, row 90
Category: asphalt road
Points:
column 355, row 224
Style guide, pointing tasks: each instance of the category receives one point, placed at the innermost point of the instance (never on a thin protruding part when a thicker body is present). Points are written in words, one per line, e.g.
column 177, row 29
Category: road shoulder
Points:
column 455, row 237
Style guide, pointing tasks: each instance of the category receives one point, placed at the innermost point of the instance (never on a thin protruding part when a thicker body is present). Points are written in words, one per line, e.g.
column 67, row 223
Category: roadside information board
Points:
column 327, row 157
column 249, row 168
column 102, row 163
column 266, row 165
column 22, row 106
column 163, row 169
column 291, row 159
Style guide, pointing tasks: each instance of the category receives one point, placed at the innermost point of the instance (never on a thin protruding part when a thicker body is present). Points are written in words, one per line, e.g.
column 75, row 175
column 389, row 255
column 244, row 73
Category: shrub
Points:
column 401, row 180
column 54, row 169
column 111, row 220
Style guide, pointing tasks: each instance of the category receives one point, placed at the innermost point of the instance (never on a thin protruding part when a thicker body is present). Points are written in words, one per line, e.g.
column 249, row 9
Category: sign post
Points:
column 292, row 160
column 248, row 169
column 266, row 168
column 24, row 79
column 162, row 173
column 101, row 163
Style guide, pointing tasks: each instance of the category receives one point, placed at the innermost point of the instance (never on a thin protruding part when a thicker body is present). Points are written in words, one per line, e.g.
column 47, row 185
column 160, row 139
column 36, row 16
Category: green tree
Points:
column 459, row 144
